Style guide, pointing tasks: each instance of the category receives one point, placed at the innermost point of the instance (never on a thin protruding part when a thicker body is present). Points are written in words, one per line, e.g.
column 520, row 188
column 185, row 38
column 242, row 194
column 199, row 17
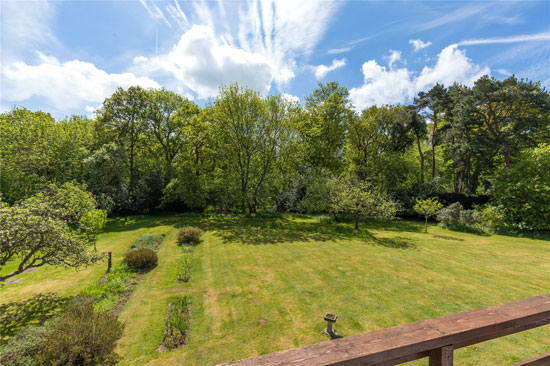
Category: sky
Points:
column 66, row 57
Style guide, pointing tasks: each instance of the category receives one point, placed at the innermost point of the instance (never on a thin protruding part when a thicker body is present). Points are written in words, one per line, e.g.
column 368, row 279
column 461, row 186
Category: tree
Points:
column 523, row 190
column 122, row 119
column 327, row 116
column 434, row 102
column 93, row 223
column 33, row 233
column 359, row 199
column 43, row 230
column 250, row 133
column 427, row 208
column 167, row 115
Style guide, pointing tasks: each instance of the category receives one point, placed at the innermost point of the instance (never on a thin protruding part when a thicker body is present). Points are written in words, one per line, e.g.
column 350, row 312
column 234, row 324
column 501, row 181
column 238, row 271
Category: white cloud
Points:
column 201, row 63
column 270, row 34
column 65, row 86
column 290, row 98
column 418, row 44
column 504, row 72
column 399, row 85
column 393, row 57
column 322, row 70
column 511, row 39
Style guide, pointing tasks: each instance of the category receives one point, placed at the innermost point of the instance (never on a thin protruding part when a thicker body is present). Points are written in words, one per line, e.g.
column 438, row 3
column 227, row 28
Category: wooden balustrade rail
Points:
column 434, row 338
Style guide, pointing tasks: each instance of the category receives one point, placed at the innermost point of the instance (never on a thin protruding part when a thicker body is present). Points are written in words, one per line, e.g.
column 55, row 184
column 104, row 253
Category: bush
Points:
column 184, row 270
column 151, row 241
column 523, row 190
column 177, row 323
column 455, row 214
column 81, row 336
column 142, row 259
column 106, row 293
column 189, row 235
column 21, row 349
column 493, row 218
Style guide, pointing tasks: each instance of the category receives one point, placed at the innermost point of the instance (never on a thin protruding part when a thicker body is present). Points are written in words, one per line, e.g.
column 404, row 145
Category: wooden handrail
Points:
column 435, row 338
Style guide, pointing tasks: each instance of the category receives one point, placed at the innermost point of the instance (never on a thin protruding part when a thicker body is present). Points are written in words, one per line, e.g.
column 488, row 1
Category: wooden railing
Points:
column 434, row 338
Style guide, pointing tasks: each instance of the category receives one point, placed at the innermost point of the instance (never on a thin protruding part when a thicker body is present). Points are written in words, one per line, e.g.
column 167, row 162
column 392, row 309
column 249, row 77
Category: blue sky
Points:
column 65, row 57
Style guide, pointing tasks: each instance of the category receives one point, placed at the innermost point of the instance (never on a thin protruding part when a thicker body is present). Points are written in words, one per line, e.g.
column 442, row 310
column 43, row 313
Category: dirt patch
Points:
column 445, row 237
column 30, row 270
column 307, row 293
column 124, row 297
column 262, row 321
column 13, row 280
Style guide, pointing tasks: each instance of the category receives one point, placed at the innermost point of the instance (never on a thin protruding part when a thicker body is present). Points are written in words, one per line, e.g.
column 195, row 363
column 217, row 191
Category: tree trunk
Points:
column 421, row 160
column 5, row 277
column 434, row 131
column 426, row 225
column 356, row 222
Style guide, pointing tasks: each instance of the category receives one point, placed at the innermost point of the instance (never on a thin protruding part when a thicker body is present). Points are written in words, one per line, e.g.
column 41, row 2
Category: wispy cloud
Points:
column 510, row 39
column 26, row 26
column 418, row 44
column 334, row 51
column 154, row 11
column 322, row 70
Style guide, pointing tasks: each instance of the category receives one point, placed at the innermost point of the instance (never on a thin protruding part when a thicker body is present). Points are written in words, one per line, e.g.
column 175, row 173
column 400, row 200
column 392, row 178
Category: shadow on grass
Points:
column 259, row 230
column 17, row 315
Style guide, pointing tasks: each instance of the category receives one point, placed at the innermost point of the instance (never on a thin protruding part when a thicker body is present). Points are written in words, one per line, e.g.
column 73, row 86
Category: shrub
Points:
column 184, row 270
column 189, row 235
column 151, row 241
column 21, row 349
column 456, row 217
column 493, row 218
column 142, row 259
column 177, row 323
column 81, row 336
column 523, row 190
column 106, row 292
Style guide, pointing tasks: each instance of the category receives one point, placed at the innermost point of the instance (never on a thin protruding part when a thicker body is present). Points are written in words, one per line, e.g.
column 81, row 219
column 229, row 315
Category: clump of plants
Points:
column 184, row 270
column 107, row 291
column 81, row 336
column 141, row 259
column 151, row 241
column 21, row 349
column 177, row 322
column 456, row 217
column 189, row 235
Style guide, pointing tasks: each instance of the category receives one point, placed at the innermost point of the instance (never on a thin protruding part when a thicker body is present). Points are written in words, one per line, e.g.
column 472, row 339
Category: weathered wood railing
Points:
column 434, row 338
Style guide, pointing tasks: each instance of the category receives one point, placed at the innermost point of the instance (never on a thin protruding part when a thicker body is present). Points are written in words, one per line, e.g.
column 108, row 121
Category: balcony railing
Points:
column 434, row 338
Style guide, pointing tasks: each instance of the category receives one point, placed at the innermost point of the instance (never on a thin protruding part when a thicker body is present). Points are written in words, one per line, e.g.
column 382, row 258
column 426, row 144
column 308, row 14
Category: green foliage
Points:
column 184, row 270
column 21, row 349
column 177, row 323
column 93, row 223
column 359, row 199
column 456, row 216
column 81, row 336
column 427, row 208
column 141, row 259
column 523, row 190
column 35, row 232
column 493, row 218
column 151, row 241
column 107, row 291
column 189, row 235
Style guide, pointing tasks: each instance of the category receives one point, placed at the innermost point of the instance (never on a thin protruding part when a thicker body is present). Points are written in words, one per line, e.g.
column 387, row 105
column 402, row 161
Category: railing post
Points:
column 442, row 356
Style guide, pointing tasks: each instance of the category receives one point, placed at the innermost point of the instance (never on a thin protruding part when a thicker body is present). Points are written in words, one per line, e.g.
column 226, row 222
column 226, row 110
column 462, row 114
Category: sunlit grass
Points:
column 260, row 285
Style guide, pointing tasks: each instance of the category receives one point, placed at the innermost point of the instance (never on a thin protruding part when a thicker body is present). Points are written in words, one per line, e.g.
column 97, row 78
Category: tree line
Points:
column 149, row 150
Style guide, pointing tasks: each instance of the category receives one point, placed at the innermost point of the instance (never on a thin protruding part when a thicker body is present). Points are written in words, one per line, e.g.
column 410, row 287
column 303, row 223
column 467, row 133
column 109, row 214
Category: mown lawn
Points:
column 261, row 285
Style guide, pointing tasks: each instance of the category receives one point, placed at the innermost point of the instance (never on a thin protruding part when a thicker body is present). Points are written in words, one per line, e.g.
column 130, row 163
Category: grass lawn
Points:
column 263, row 285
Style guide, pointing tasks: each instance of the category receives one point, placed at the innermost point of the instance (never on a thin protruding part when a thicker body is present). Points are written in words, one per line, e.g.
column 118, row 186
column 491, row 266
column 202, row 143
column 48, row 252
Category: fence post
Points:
column 109, row 262
column 442, row 356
